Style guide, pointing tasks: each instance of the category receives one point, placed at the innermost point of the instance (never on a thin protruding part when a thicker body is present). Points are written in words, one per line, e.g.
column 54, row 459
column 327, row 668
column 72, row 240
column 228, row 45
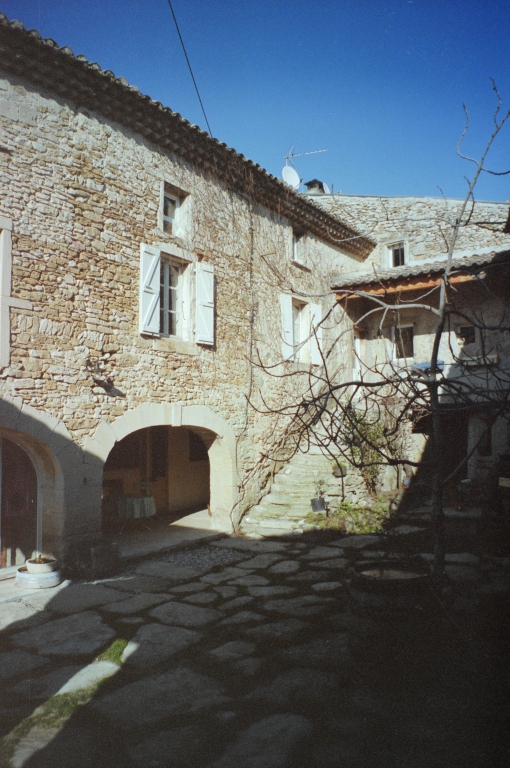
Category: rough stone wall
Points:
column 424, row 224
column 83, row 194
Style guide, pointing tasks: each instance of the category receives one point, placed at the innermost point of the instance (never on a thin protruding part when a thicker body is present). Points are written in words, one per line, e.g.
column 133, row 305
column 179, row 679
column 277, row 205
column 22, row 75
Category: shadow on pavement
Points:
column 244, row 652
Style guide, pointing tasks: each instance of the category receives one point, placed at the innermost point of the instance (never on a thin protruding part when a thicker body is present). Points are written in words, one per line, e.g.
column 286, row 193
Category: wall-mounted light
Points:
column 95, row 365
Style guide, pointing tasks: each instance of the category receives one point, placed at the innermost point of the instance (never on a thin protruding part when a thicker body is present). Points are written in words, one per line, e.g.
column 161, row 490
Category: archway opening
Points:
column 156, row 474
column 18, row 497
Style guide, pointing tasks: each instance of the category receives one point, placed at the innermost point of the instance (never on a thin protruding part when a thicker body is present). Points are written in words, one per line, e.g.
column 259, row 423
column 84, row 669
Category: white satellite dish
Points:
column 327, row 191
column 291, row 177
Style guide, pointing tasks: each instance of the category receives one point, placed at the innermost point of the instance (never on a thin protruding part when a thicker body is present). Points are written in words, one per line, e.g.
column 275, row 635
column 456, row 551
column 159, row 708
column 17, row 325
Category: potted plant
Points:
column 318, row 503
column 339, row 468
column 42, row 564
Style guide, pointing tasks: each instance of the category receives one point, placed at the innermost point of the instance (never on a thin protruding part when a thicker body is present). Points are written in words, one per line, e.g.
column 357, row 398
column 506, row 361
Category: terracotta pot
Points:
column 49, row 564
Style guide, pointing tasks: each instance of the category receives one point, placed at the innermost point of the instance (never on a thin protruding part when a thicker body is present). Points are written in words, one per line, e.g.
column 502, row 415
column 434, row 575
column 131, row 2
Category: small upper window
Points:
column 466, row 334
column 170, row 206
column 403, row 337
column 297, row 247
column 397, row 254
column 170, row 298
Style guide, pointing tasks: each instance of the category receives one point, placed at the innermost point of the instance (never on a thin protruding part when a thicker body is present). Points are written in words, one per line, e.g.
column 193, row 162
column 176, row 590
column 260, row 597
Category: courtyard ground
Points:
column 241, row 652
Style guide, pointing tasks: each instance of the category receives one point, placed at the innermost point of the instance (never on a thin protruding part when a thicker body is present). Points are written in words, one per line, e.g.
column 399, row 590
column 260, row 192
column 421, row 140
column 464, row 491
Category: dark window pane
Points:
column 404, row 338
column 466, row 334
column 398, row 256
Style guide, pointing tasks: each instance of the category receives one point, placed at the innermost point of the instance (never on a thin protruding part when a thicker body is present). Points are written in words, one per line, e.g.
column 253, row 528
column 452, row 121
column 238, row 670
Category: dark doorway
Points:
column 18, row 520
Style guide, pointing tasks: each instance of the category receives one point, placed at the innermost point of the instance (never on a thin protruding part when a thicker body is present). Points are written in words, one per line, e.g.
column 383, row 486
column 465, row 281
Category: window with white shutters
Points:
column 301, row 330
column 204, row 321
column 150, row 260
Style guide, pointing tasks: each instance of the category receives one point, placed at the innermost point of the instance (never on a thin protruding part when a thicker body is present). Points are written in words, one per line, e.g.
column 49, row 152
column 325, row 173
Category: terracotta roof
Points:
column 354, row 280
column 26, row 54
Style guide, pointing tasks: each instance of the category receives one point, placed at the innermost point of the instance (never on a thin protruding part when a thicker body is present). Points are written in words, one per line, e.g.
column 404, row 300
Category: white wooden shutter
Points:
column 287, row 327
column 316, row 339
column 204, row 325
column 150, row 259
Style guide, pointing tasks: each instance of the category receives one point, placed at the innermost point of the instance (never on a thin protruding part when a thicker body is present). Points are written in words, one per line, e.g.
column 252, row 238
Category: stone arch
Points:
column 47, row 443
column 222, row 452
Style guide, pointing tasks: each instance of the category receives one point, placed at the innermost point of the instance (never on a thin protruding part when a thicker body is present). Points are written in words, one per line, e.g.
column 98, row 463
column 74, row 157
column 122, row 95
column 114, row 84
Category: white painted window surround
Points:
column 153, row 302
column 6, row 300
column 301, row 330
column 396, row 254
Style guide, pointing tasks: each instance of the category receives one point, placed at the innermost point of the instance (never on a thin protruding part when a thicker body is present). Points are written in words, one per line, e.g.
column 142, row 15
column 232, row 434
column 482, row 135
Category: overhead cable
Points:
column 189, row 66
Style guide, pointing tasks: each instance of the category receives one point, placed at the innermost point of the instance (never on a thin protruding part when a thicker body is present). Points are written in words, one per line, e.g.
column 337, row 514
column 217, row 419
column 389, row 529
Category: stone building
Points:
column 146, row 270
column 405, row 268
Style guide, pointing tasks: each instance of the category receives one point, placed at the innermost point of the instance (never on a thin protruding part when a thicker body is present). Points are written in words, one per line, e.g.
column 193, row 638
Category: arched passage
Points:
column 199, row 420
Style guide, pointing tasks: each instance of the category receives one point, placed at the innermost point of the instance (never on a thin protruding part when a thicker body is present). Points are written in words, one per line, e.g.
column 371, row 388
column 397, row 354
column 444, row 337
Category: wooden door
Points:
column 18, row 495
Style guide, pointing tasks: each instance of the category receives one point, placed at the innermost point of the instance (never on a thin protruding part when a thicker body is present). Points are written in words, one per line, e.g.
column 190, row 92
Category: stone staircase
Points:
column 284, row 508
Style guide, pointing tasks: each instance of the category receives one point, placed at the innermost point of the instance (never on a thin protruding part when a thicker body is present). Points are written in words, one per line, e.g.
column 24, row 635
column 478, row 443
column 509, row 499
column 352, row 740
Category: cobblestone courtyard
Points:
column 243, row 653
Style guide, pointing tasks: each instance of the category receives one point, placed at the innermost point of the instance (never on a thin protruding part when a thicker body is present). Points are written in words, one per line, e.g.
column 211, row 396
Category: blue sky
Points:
column 379, row 83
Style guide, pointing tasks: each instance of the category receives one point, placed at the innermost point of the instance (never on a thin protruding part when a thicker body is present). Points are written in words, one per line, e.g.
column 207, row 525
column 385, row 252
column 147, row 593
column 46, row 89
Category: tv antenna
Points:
column 288, row 158
column 289, row 173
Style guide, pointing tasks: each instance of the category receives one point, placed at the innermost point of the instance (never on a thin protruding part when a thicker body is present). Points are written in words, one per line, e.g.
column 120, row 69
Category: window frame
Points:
column 460, row 338
column 172, row 221
column 166, row 264
column 399, row 245
column 394, row 329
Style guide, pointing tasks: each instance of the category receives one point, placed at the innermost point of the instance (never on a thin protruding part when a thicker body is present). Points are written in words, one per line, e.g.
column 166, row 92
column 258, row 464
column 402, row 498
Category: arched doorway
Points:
column 158, row 471
column 19, row 526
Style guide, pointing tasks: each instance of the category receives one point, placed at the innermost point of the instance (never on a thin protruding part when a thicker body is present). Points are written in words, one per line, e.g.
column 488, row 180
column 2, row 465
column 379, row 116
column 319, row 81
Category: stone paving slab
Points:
column 187, row 589
column 151, row 700
column 226, row 574
column 201, row 598
column 18, row 662
column 305, row 577
column 260, row 561
column 327, row 586
column 154, row 644
column 90, row 675
column 136, row 583
column 284, row 566
column 168, row 571
column 297, row 685
column 250, row 581
column 226, row 592
column 179, row 614
column 136, row 604
column 277, row 630
column 44, row 686
column 233, row 650
column 252, row 546
column 307, row 605
column 237, row 602
column 18, row 615
column 270, row 591
column 266, row 744
column 81, row 597
column 335, row 562
column 320, row 553
column 242, row 617
column 75, row 635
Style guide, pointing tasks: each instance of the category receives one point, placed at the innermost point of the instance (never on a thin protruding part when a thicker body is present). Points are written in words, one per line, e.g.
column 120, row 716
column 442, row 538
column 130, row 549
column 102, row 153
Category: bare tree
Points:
column 365, row 419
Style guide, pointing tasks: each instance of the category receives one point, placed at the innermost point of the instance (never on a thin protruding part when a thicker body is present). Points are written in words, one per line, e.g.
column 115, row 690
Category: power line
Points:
column 189, row 66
